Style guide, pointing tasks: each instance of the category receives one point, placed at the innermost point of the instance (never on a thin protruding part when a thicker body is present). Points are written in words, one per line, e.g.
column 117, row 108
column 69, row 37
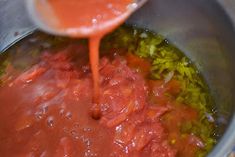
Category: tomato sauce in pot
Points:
column 47, row 110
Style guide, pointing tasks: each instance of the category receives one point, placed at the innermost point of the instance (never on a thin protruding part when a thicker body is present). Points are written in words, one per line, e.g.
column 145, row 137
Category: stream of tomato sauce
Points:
column 47, row 108
column 95, row 18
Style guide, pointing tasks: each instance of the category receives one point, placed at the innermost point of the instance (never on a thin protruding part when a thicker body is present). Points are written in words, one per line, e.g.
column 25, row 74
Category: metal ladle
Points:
column 47, row 21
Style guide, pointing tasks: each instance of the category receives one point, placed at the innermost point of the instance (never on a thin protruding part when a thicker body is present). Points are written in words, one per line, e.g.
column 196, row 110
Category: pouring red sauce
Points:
column 94, row 19
column 48, row 107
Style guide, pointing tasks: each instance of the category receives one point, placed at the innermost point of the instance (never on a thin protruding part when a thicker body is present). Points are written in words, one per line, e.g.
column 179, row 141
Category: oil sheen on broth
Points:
column 153, row 100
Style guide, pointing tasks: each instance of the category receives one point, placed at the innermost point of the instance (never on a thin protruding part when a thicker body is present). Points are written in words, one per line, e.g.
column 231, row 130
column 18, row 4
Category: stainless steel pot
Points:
column 203, row 29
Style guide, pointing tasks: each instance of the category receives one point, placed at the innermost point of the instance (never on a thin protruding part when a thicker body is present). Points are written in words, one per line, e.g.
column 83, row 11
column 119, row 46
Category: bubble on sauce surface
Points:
column 50, row 121
column 68, row 115
column 41, row 112
column 61, row 111
column 84, row 139
column 90, row 153
column 87, row 129
column 74, row 134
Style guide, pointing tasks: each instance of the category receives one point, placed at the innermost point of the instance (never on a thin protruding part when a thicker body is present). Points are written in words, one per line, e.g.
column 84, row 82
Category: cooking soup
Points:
column 152, row 99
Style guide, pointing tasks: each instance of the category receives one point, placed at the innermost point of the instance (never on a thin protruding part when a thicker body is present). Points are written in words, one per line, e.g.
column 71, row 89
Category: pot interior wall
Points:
column 201, row 29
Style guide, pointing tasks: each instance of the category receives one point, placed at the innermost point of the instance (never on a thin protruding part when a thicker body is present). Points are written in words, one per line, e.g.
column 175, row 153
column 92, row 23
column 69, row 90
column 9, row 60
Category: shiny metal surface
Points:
column 203, row 29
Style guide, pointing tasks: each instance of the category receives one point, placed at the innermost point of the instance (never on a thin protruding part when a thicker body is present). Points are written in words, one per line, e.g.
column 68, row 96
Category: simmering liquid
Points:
column 153, row 101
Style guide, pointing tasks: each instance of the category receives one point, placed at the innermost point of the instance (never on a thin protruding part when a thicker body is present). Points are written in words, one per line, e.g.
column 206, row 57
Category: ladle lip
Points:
column 39, row 20
column 36, row 19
